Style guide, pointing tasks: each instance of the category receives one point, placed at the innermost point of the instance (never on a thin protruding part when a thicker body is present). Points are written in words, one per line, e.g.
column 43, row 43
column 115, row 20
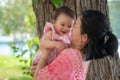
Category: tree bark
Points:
column 107, row 68
column 44, row 9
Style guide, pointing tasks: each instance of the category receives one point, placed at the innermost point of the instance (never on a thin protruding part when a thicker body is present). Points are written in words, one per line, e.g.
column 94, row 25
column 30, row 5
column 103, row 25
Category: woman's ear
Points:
column 84, row 40
column 84, row 37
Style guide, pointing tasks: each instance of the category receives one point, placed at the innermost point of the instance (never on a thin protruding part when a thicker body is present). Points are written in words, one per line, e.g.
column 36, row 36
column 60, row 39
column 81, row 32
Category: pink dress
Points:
column 65, row 39
column 67, row 66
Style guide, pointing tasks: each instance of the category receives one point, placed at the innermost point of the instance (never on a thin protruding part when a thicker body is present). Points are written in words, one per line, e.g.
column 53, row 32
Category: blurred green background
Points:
column 18, row 36
column 114, row 12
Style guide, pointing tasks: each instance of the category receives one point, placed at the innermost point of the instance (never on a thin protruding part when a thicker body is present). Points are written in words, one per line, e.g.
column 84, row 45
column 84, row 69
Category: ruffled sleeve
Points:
column 49, row 27
column 62, row 68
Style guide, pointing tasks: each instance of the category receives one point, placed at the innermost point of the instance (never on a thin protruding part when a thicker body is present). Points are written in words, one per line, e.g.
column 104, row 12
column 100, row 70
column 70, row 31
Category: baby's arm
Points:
column 45, row 47
column 46, row 40
column 48, row 43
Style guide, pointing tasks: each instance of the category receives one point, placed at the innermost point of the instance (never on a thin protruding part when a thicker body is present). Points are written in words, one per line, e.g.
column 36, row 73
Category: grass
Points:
column 10, row 68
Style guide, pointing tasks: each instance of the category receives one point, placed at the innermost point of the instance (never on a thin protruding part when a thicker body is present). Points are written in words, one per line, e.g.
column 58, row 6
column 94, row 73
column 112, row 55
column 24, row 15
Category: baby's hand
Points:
column 59, row 46
column 33, row 66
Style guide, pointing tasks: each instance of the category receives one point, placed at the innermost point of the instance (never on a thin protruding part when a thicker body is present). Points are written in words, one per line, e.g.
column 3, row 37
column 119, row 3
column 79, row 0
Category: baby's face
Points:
column 63, row 24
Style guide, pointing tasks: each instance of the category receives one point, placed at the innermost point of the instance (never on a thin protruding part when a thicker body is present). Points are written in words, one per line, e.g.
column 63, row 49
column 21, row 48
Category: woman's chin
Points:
column 75, row 47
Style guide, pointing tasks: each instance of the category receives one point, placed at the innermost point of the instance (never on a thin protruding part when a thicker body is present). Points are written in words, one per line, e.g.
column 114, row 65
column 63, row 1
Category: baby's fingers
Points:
column 33, row 69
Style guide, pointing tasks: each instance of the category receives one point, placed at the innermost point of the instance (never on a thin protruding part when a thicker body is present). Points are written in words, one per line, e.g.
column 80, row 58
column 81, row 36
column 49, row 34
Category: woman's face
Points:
column 78, row 40
column 76, row 34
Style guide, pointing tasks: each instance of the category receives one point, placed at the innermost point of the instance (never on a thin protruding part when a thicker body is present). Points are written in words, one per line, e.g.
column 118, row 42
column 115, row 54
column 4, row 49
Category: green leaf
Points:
column 20, row 60
column 15, row 49
column 23, row 52
column 36, row 2
column 25, row 61
column 36, row 40
column 31, row 55
column 28, row 73
column 29, row 43
column 57, row 3
column 17, row 56
column 24, row 67
column 30, row 62
column 24, row 72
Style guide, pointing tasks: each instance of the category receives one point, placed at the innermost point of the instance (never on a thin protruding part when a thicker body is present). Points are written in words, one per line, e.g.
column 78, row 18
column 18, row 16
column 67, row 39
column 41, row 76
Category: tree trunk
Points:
column 44, row 9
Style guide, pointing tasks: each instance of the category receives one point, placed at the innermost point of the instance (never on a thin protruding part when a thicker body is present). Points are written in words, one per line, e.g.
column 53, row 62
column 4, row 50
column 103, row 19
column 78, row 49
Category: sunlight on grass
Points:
column 10, row 68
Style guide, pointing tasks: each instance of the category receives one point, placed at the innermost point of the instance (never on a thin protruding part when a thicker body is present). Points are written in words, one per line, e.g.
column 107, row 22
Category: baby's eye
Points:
column 69, row 26
column 62, row 24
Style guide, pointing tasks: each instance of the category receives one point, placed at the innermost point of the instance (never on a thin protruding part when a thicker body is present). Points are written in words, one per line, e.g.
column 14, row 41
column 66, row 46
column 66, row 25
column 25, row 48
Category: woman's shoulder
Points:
column 73, row 55
column 71, row 52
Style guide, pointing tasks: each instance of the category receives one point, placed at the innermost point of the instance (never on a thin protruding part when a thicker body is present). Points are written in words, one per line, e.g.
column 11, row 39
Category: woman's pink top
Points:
column 67, row 66
column 65, row 39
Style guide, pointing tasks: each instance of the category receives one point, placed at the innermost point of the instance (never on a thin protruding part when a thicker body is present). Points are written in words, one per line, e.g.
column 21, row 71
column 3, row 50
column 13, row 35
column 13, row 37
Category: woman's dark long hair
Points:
column 101, row 41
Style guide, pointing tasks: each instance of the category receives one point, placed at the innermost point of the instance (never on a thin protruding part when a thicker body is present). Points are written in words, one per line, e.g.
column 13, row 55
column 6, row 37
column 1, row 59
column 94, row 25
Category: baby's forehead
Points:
column 63, row 20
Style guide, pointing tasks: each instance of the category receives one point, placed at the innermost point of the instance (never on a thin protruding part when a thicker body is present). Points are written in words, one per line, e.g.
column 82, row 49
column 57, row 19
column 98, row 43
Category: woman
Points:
column 90, row 36
column 101, row 48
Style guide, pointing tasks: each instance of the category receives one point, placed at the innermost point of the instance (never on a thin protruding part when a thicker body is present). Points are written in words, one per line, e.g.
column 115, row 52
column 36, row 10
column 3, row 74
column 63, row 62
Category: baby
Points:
column 56, row 32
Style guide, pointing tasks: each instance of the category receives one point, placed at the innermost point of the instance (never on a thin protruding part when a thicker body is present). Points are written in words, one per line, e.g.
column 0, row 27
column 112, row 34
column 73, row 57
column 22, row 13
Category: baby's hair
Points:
column 65, row 10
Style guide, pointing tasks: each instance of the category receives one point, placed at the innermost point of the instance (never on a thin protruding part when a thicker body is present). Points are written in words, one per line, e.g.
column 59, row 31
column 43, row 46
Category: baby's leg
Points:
column 35, row 61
